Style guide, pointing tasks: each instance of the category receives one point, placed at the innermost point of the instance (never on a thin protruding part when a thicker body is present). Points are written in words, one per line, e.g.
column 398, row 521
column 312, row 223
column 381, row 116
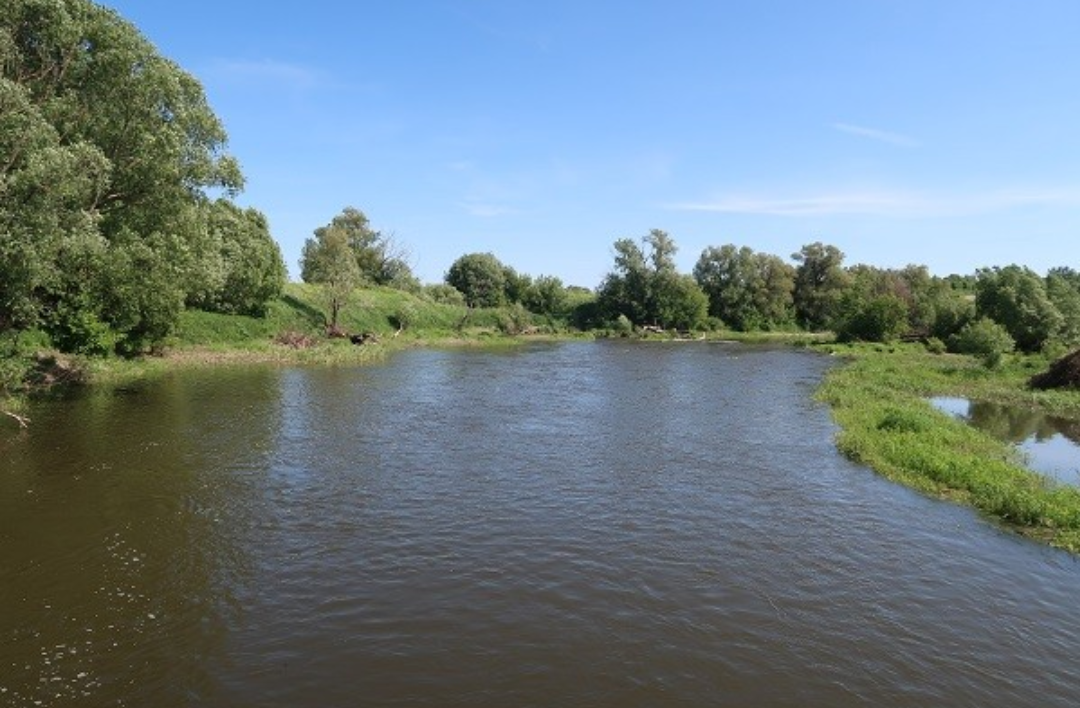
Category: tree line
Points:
column 989, row 313
column 117, row 212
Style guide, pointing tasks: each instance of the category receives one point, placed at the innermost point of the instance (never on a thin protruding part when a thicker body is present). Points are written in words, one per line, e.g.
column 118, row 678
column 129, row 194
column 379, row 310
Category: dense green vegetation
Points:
column 114, row 188
column 880, row 402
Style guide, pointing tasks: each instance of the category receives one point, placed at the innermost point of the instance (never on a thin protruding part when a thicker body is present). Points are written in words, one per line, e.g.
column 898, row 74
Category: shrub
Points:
column 984, row 339
column 444, row 294
column 622, row 326
column 935, row 346
column 514, row 319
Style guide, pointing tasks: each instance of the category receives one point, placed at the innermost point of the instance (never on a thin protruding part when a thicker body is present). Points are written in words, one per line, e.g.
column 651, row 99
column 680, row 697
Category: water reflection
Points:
column 1050, row 444
column 118, row 577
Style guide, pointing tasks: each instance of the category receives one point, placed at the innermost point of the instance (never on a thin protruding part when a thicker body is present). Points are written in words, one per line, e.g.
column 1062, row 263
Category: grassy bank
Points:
column 293, row 331
column 384, row 312
column 879, row 400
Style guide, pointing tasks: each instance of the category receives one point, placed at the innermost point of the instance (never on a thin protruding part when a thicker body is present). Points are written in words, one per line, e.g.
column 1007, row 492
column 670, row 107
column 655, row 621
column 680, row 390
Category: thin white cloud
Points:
column 882, row 136
column 889, row 204
column 266, row 71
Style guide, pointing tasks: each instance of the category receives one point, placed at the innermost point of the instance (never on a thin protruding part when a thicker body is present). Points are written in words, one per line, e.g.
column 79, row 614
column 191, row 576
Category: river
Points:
column 588, row 524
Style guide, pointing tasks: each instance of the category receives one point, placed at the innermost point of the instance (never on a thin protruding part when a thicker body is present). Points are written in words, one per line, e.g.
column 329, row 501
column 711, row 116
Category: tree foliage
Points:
column 1016, row 298
column 328, row 260
column 108, row 152
column 1063, row 290
column 746, row 290
column 646, row 287
column 242, row 268
column 546, row 295
column 380, row 259
column 481, row 278
column 819, row 282
column 984, row 339
column 444, row 294
column 876, row 318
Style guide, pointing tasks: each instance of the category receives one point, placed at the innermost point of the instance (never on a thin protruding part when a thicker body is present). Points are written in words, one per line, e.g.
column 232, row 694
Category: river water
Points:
column 589, row 524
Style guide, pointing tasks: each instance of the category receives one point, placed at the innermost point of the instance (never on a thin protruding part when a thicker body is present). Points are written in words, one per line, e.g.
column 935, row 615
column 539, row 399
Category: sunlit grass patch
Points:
column 879, row 400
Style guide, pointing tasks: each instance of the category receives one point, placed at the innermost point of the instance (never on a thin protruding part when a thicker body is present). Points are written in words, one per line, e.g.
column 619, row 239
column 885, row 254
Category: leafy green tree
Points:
column 647, row 288
column 47, row 196
column 397, row 273
column 680, row 302
column 243, row 268
column 1016, row 298
column 480, row 277
column 952, row 310
column 746, row 290
column 142, row 292
column 98, row 80
column 918, row 290
column 516, row 285
column 625, row 291
column 819, row 282
column 109, row 151
column 1063, row 289
column 546, row 296
column 873, row 307
column 329, row 261
column 774, row 298
column 380, row 260
column 984, row 339
column 873, row 318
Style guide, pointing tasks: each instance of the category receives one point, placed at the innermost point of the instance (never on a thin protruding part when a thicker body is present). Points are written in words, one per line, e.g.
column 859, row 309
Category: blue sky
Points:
column 939, row 132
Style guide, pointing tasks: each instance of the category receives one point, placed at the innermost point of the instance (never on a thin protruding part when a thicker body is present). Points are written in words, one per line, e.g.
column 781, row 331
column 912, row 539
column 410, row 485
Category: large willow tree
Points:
column 109, row 153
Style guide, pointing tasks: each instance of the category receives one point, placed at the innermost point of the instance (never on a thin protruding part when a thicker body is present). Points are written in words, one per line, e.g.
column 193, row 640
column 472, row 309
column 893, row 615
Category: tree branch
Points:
column 22, row 421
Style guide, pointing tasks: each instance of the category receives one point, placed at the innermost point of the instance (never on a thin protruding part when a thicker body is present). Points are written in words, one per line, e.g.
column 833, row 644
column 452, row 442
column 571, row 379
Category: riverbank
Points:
column 293, row 332
column 879, row 399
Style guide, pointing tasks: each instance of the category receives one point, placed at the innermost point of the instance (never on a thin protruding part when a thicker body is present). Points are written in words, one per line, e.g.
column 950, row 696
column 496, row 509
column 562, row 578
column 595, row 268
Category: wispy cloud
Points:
column 882, row 136
column 266, row 71
column 885, row 203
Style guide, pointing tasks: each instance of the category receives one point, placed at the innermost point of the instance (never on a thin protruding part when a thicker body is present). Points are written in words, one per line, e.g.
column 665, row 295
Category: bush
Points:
column 714, row 324
column 984, row 339
column 514, row 319
column 444, row 294
column 880, row 319
column 622, row 326
column 935, row 346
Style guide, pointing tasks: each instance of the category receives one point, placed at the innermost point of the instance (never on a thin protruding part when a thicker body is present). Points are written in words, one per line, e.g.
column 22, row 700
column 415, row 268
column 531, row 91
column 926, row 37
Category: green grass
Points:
column 378, row 311
column 879, row 400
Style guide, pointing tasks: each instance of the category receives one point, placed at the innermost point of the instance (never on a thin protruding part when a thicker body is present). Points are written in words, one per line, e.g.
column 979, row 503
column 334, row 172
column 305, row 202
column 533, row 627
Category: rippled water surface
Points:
column 594, row 524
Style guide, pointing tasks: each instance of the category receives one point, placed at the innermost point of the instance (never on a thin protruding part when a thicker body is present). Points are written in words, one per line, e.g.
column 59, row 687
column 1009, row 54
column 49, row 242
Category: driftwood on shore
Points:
column 365, row 338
